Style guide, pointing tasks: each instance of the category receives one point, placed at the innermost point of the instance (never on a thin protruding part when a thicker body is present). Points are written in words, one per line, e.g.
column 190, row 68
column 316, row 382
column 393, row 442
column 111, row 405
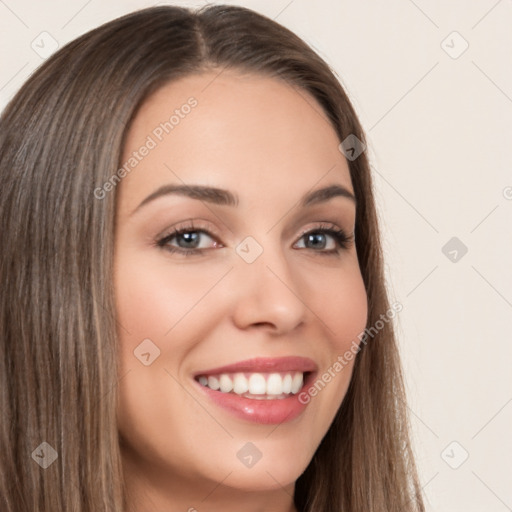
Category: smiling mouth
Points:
column 256, row 385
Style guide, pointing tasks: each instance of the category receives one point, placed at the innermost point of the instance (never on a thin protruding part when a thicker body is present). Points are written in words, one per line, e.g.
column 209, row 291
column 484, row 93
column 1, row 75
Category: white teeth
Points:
column 226, row 384
column 274, row 384
column 240, row 384
column 287, row 384
column 297, row 382
column 213, row 383
column 259, row 386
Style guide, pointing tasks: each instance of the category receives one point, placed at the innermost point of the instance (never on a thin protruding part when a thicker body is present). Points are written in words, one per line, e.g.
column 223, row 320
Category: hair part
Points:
column 62, row 137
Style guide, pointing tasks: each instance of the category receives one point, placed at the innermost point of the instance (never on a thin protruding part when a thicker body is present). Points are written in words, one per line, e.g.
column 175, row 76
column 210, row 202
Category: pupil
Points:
column 190, row 238
column 316, row 237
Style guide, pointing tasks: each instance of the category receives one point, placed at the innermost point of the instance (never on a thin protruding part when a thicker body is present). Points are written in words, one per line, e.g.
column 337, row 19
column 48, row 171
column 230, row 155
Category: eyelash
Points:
column 341, row 238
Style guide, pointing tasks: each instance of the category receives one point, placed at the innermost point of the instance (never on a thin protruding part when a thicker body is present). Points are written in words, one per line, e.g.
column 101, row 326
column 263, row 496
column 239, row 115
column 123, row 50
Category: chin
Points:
column 265, row 477
column 274, row 464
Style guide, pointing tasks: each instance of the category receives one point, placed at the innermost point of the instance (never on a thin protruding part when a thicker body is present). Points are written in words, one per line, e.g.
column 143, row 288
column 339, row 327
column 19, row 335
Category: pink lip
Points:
column 262, row 411
column 265, row 364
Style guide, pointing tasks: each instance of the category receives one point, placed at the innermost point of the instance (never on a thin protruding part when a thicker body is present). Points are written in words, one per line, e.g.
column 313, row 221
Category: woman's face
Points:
column 241, row 285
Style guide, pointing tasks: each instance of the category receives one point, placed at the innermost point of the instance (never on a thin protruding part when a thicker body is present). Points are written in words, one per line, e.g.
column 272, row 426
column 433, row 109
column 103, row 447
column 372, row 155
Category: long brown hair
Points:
column 61, row 138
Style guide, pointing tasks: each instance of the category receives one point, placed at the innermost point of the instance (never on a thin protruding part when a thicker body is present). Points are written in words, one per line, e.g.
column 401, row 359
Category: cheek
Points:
column 343, row 313
column 343, row 308
column 349, row 311
column 155, row 299
column 161, row 303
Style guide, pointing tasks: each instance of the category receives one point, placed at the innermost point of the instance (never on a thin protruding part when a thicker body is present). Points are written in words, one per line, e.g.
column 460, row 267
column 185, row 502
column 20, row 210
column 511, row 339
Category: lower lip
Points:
column 279, row 410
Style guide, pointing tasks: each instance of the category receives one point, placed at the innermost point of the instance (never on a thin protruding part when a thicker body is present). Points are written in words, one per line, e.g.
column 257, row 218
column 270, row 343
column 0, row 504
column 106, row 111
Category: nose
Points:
column 269, row 294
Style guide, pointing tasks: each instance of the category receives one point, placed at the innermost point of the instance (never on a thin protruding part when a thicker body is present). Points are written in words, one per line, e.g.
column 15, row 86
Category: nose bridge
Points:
column 268, row 288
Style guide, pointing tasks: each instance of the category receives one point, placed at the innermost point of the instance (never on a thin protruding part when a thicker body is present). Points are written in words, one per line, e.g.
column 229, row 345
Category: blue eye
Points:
column 188, row 239
column 318, row 236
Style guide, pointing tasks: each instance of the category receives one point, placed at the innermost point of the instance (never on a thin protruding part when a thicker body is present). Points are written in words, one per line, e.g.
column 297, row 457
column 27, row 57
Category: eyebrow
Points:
column 223, row 197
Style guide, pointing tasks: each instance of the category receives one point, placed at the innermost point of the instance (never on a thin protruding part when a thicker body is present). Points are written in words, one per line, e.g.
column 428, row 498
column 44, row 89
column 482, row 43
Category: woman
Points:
column 194, row 314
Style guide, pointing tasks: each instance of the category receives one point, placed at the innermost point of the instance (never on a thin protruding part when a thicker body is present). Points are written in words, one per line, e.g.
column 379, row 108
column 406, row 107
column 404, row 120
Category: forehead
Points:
column 244, row 132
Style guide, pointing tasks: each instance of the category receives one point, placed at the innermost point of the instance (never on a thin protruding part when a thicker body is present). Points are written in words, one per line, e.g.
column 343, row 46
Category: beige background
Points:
column 439, row 121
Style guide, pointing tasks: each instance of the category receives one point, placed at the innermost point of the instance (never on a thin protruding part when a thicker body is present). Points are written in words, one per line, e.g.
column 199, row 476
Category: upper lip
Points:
column 265, row 364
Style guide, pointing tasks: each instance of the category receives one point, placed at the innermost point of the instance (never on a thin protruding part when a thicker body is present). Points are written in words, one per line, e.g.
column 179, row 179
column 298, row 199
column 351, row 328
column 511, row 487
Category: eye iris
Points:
column 191, row 237
column 317, row 237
